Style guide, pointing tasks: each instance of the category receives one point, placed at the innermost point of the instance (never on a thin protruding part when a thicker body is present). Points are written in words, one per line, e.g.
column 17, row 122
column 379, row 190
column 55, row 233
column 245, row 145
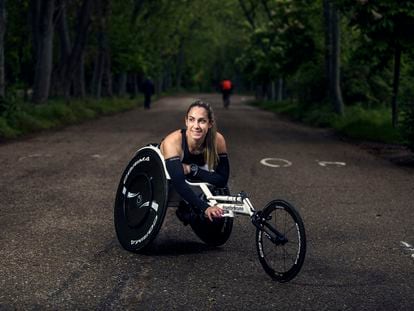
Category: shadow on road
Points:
column 178, row 247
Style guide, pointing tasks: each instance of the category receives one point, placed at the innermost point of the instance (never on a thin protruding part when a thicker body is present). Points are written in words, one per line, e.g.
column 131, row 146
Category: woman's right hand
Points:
column 213, row 212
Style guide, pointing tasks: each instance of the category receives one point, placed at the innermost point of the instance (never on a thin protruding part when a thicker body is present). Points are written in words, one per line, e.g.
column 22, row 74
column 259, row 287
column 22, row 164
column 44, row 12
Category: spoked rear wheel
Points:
column 281, row 241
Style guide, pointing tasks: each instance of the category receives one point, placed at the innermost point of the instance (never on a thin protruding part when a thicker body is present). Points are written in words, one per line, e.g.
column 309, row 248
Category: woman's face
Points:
column 197, row 123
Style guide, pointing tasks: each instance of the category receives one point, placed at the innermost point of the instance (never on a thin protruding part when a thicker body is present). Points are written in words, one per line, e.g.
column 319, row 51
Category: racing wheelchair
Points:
column 145, row 192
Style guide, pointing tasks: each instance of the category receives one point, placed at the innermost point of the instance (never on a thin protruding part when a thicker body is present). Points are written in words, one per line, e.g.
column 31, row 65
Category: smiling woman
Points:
column 196, row 152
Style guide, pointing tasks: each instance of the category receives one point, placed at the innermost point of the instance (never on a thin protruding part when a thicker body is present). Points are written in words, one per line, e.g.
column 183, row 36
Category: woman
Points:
column 198, row 151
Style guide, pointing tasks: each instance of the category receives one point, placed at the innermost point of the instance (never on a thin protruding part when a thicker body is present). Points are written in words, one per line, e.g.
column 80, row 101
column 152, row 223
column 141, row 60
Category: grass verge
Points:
column 357, row 123
column 21, row 118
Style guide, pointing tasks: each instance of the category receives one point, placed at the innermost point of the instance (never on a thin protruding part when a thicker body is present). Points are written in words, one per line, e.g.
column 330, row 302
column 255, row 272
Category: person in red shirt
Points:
column 226, row 87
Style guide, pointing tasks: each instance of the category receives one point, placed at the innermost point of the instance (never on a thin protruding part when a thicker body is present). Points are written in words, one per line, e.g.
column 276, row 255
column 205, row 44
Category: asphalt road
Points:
column 58, row 247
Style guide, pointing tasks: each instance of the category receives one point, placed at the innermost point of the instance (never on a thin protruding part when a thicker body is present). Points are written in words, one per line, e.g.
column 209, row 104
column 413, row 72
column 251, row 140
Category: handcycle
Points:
column 144, row 193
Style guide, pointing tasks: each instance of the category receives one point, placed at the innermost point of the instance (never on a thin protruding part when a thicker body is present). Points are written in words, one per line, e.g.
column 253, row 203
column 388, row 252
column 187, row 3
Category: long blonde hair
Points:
column 210, row 147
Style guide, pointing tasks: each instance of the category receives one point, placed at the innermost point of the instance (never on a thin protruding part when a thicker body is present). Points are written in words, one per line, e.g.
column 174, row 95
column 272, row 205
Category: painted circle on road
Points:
column 275, row 162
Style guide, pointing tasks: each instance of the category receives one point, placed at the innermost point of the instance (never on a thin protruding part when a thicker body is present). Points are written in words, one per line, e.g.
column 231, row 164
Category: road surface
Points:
column 59, row 250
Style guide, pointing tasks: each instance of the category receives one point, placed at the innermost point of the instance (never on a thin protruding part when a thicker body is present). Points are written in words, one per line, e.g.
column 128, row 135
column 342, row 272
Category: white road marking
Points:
column 407, row 248
column 35, row 155
column 277, row 162
column 326, row 163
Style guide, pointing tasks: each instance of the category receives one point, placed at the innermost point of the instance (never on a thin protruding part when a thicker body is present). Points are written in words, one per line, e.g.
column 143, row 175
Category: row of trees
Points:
column 77, row 48
column 330, row 48
column 334, row 51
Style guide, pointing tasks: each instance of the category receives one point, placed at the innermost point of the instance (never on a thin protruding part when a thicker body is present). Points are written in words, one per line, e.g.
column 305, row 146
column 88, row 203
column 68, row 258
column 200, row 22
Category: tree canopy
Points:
column 61, row 48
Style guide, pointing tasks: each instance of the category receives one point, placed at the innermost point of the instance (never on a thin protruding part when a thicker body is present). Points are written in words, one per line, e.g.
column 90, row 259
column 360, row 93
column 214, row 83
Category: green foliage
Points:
column 408, row 125
column 307, row 83
column 380, row 29
column 368, row 124
column 177, row 39
column 280, row 41
column 321, row 116
column 286, row 108
column 9, row 104
column 362, row 84
column 213, row 45
column 6, row 131
column 387, row 22
column 407, row 72
column 192, row 45
column 128, row 53
column 19, row 62
column 358, row 122
column 108, row 106
column 27, row 118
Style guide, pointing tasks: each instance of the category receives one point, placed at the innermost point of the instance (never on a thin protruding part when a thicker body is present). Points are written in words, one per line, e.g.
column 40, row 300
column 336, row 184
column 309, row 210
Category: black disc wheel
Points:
column 281, row 241
column 141, row 200
column 214, row 233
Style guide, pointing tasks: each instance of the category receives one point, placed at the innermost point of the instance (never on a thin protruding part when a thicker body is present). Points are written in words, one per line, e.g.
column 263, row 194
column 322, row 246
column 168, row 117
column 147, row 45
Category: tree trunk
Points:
column 158, row 84
column 121, row 84
column 35, row 18
column 258, row 92
column 102, row 82
column 133, row 84
column 179, row 66
column 107, row 74
column 79, row 88
column 76, row 54
column 396, row 84
column 328, row 46
column 279, row 90
column 97, row 74
column 167, row 78
column 264, row 90
column 44, row 56
column 64, row 50
column 336, row 63
column 102, row 78
column 333, row 56
column 269, row 90
column 63, row 28
column 2, row 32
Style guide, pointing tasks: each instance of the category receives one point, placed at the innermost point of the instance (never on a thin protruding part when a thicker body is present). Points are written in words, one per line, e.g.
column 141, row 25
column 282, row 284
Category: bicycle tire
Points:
column 227, row 103
column 281, row 262
column 214, row 233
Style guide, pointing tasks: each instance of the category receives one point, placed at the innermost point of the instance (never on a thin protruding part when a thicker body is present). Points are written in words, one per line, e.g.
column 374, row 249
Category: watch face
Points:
column 194, row 169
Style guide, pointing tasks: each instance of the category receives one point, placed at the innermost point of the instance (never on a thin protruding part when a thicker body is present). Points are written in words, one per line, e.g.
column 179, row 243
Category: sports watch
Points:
column 193, row 169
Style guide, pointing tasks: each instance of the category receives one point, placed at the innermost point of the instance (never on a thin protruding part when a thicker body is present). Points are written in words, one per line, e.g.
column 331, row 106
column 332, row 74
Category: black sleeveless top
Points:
column 189, row 158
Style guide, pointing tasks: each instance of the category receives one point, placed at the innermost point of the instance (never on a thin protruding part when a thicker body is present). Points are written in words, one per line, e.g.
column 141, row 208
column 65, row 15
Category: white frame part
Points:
column 231, row 204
